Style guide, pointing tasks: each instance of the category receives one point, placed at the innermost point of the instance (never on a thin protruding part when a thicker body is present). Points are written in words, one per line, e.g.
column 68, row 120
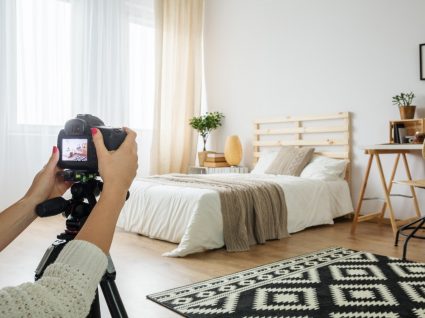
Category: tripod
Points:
column 76, row 211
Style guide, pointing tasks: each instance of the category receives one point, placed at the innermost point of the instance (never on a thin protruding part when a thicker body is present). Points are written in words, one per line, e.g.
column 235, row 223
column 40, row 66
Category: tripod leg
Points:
column 95, row 307
column 110, row 292
column 49, row 257
column 113, row 299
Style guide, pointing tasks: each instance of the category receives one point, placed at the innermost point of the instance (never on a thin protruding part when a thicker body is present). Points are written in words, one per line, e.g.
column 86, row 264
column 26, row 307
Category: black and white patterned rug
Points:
column 336, row 282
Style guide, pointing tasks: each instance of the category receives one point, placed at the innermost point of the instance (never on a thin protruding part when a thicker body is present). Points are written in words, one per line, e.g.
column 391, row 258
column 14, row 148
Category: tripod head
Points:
column 76, row 210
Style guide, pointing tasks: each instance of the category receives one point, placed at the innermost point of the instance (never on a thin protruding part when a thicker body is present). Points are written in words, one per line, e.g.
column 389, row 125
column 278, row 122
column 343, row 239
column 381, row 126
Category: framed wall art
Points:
column 422, row 61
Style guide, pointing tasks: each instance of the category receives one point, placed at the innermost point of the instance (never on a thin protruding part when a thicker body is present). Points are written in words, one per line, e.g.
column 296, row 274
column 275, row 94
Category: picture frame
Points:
column 422, row 61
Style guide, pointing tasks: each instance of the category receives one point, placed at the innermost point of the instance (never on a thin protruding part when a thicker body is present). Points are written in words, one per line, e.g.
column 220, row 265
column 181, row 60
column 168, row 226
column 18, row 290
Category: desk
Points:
column 375, row 151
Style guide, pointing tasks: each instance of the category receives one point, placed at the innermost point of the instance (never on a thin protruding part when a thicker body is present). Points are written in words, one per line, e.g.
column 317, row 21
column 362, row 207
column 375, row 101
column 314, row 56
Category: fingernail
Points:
column 55, row 149
column 93, row 131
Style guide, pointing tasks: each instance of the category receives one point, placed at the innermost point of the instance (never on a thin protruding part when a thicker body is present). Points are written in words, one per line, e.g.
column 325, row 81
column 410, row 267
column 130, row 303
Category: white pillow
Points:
column 324, row 168
column 264, row 162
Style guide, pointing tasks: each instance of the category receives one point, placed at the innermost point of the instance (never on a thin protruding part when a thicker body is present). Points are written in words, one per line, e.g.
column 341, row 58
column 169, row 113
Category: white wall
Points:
column 298, row 57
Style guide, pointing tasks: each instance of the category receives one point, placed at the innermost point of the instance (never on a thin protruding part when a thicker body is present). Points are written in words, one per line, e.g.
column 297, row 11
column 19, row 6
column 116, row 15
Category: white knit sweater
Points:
column 66, row 289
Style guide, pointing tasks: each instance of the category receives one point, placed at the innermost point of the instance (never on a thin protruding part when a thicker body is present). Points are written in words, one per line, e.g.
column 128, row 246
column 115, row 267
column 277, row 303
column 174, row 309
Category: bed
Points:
column 192, row 217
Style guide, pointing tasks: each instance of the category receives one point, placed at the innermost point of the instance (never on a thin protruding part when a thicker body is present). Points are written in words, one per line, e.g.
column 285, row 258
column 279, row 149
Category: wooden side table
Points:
column 208, row 170
column 400, row 150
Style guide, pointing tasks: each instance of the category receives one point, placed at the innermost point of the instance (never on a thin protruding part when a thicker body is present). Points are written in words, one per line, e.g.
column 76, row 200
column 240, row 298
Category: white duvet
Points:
column 192, row 217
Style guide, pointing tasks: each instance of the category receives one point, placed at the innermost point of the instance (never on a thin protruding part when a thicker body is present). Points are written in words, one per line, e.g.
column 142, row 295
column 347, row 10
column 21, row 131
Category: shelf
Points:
column 217, row 170
column 411, row 125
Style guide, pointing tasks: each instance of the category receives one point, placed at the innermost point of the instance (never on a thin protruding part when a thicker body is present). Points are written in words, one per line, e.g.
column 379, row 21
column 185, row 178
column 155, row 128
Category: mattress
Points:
column 191, row 217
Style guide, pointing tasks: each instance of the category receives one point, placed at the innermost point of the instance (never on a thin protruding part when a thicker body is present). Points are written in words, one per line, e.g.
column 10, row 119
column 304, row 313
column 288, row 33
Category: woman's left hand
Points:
column 46, row 183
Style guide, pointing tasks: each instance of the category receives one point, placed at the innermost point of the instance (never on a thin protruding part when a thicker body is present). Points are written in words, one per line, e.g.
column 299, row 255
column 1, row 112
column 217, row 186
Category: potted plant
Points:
column 205, row 124
column 404, row 103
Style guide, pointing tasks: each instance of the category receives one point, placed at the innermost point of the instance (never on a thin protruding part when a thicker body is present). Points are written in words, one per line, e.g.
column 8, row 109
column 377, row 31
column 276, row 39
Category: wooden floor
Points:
column 142, row 270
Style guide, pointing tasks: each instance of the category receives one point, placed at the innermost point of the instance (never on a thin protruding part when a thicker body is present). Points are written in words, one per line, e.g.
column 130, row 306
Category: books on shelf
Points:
column 216, row 164
column 218, row 159
column 399, row 133
column 215, row 157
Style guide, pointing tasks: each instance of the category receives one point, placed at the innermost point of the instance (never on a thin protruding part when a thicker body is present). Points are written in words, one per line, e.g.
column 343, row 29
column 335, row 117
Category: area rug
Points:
column 336, row 282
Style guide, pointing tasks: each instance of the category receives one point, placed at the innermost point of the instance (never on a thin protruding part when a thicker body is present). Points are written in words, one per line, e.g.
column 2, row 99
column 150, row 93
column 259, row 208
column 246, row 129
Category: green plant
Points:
column 404, row 99
column 206, row 124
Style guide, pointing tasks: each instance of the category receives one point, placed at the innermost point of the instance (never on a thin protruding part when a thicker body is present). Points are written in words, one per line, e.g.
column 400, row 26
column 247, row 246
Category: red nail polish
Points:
column 93, row 131
column 55, row 149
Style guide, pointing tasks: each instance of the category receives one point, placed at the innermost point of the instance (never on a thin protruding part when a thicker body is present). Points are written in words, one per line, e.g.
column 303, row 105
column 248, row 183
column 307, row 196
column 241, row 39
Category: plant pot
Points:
column 202, row 155
column 407, row 112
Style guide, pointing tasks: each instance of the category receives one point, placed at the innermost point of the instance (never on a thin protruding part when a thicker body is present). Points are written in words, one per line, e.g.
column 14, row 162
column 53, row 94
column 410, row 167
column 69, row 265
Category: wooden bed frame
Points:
column 330, row 135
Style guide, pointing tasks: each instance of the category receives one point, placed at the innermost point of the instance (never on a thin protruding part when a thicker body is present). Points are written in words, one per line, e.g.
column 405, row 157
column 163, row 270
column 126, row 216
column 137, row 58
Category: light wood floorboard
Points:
column 142, row 270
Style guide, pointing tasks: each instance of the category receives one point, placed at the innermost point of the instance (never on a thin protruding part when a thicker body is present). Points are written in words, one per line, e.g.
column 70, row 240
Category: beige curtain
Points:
column 179, row 26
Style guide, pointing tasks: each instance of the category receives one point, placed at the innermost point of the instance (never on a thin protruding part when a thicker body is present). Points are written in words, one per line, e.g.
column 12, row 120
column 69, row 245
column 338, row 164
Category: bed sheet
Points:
column 192, row 217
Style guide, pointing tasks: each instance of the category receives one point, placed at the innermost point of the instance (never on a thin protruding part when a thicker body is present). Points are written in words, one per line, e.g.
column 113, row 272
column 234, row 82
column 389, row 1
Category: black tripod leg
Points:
column 110, row 292
column 113, row 299
column 95, row 307
column 49, row 257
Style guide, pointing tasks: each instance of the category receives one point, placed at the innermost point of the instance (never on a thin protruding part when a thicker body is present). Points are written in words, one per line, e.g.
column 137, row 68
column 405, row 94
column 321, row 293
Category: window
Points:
column 141, row 63
column 43, row 62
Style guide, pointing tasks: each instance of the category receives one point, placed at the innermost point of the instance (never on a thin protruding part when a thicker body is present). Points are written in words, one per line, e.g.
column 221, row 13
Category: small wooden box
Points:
column 412, row 126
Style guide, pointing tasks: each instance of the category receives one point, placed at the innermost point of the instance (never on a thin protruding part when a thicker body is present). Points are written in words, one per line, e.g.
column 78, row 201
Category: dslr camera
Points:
column 76, row 148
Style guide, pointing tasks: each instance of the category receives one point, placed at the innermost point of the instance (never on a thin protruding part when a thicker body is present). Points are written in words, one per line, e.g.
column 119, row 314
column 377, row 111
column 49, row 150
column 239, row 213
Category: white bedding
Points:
column 192, row 217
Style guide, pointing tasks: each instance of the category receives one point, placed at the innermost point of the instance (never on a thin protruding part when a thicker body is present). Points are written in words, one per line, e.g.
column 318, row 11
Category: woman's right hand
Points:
column 117, row 168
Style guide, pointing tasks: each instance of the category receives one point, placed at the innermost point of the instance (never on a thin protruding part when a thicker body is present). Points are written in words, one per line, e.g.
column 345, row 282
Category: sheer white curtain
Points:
column 179, row 30
column 7, row 10
column 43, row 62
column 25, row 139
column 142, row 75
column 59, row 58
column 112, row 65
column 100, row 59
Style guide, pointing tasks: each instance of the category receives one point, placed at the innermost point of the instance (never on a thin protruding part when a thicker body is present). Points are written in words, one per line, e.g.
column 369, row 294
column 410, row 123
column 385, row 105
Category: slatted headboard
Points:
column 330, row 135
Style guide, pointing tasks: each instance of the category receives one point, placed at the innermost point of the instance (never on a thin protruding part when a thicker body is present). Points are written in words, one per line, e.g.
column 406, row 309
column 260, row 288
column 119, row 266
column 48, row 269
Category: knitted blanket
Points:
column 253, row 211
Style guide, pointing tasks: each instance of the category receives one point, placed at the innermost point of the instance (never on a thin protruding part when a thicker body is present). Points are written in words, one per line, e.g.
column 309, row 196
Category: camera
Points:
column 76, row 148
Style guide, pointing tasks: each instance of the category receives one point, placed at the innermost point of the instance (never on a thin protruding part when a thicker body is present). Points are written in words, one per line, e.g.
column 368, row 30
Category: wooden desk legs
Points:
column 361, row 195
column 387, row 190
column 387, row 193
column 390, row 186
column 412, row 189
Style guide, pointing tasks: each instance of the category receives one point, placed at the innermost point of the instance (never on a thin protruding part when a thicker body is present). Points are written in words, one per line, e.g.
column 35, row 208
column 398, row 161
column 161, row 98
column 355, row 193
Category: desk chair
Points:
column 409, row 230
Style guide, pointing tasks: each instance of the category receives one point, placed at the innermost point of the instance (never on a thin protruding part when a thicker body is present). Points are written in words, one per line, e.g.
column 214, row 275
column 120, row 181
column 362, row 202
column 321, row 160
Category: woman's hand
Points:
column 18, row 216
column 117, row 168
column 46, row 183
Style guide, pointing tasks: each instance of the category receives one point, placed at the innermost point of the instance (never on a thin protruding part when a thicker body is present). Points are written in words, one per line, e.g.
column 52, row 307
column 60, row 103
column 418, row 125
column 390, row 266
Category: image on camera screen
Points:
column 74, row 149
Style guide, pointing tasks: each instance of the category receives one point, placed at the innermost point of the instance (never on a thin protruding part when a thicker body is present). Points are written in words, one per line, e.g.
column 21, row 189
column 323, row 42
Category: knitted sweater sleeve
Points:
column 66, row 289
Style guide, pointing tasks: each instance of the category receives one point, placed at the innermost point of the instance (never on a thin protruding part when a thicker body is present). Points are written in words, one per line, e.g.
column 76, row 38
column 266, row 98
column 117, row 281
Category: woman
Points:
column 68, row 286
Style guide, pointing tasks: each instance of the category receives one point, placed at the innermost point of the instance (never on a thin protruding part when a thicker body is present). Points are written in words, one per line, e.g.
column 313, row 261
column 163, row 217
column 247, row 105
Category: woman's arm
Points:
column 45, row 185
column 15, row 219
column 117, row 170
column 68, row 286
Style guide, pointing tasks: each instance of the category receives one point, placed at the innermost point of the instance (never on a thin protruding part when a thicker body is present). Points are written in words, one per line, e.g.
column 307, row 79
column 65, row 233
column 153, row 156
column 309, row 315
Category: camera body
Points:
column 75, row 143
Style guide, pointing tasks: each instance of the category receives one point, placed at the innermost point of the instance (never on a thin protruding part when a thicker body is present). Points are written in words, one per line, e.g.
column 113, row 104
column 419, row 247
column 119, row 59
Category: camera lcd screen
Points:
column 74, row 149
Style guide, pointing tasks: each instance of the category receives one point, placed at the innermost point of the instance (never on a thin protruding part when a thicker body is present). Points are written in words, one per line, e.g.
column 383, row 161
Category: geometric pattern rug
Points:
column 335, row 282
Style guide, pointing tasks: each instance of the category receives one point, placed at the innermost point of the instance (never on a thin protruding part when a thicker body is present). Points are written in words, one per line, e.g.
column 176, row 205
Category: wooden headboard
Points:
column 330, row 135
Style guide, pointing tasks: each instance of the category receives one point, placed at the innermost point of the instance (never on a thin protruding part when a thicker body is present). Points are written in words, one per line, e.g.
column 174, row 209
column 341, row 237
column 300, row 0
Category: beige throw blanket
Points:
column 253, row 210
